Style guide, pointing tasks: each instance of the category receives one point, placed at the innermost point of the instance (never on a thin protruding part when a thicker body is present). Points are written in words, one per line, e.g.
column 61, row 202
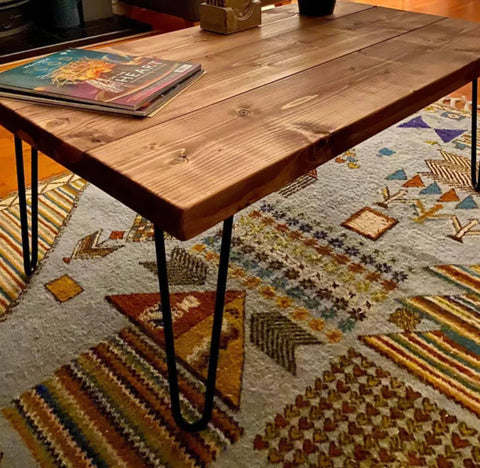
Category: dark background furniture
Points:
column 186, row 9
column 27, row 29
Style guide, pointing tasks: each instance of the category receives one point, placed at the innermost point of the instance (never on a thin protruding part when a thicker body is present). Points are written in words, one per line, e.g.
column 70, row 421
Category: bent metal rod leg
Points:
column 475, row 178
column 29, row 261
column 216, row 329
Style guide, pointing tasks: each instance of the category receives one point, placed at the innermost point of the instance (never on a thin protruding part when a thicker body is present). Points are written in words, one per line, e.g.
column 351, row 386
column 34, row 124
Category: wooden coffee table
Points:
column 277, row 101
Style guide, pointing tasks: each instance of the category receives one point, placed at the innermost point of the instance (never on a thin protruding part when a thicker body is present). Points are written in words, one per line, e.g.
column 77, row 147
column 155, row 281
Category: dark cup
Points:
column 316, row 7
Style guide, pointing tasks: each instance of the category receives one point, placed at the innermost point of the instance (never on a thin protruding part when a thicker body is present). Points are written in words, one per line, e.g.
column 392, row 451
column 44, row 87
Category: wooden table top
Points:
column 276, row 101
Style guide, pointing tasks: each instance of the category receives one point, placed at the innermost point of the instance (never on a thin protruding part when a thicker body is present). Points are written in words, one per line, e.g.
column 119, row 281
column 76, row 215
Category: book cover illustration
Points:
column 96, row 76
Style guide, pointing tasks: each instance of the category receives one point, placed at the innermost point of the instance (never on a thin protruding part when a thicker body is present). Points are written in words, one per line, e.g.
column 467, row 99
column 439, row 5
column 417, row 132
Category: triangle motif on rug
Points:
column 398, row 175
column 448, row 135
column 192, row 322
column 449, row 196
column 417, row 122
column 432, row 189
column 467, row 204
column 415, row 181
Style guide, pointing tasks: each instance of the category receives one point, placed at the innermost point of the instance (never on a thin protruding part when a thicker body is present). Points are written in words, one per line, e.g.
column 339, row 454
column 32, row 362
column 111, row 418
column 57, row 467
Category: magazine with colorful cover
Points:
column 149, row 109
column 98, row 77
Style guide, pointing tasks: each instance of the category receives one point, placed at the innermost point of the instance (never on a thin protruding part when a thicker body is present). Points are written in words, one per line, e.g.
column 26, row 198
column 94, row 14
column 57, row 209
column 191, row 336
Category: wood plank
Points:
column 190, row 44
column 197, row 42
column 230, row 71
column 237, row 151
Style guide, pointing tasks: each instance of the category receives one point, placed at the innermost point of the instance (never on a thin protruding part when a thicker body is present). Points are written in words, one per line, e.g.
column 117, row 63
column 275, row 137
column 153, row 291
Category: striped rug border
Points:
column 57, row 199
column 111, row 407
column 403, row 349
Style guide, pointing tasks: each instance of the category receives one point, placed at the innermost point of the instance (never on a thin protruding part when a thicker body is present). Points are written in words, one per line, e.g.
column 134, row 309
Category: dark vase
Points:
column 316, row 7
column 64, row 13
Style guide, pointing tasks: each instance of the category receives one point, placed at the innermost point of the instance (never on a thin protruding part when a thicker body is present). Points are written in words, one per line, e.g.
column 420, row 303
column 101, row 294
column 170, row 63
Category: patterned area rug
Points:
column 352, row 321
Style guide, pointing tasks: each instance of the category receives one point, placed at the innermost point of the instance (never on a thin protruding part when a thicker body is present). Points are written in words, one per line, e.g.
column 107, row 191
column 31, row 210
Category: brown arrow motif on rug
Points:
column 279, row 337
column 88, row 248
column 193, row 317
column 182, row 268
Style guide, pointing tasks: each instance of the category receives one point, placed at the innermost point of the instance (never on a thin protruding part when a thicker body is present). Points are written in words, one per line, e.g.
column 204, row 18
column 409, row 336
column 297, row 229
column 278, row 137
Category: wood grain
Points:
column 327, row 86
column 230, row 70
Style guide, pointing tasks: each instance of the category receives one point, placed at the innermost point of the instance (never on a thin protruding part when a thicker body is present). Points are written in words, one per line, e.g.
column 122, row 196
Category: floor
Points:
column 465, row 9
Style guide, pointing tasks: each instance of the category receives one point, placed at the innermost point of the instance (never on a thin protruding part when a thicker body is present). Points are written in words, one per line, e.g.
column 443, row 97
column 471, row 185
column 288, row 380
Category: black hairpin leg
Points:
column 216, row 329
column 475, row 178
column 29, row 262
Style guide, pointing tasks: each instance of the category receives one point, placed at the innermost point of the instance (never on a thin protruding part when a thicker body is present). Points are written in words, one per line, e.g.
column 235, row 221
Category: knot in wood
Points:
column 243, row 112
column 181, row 157
column 57, row 122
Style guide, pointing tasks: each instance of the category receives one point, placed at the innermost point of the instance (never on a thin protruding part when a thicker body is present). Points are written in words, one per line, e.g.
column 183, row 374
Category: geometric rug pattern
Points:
column 350, row 333
column 56, row 199
column 110, row 407
column 447, row 357
column 193, row 319
column 357, row 414
column 307, row 270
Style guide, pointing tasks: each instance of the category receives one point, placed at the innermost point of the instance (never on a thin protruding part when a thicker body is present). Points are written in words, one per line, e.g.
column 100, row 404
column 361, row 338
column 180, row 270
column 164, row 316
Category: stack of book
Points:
column 100, row 81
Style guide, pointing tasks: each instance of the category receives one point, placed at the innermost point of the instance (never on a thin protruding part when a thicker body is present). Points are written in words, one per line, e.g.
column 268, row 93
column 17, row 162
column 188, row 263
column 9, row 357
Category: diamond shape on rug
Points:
column 385, row 152
column 110, row 407
column 193, row 317
column 369, row 223
column 360, row 415
column 64, row 288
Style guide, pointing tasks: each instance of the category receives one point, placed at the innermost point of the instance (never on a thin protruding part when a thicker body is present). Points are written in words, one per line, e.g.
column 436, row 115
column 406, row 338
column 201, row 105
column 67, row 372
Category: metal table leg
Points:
column 216, row 329
column 29, row 261
column 475, row 178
